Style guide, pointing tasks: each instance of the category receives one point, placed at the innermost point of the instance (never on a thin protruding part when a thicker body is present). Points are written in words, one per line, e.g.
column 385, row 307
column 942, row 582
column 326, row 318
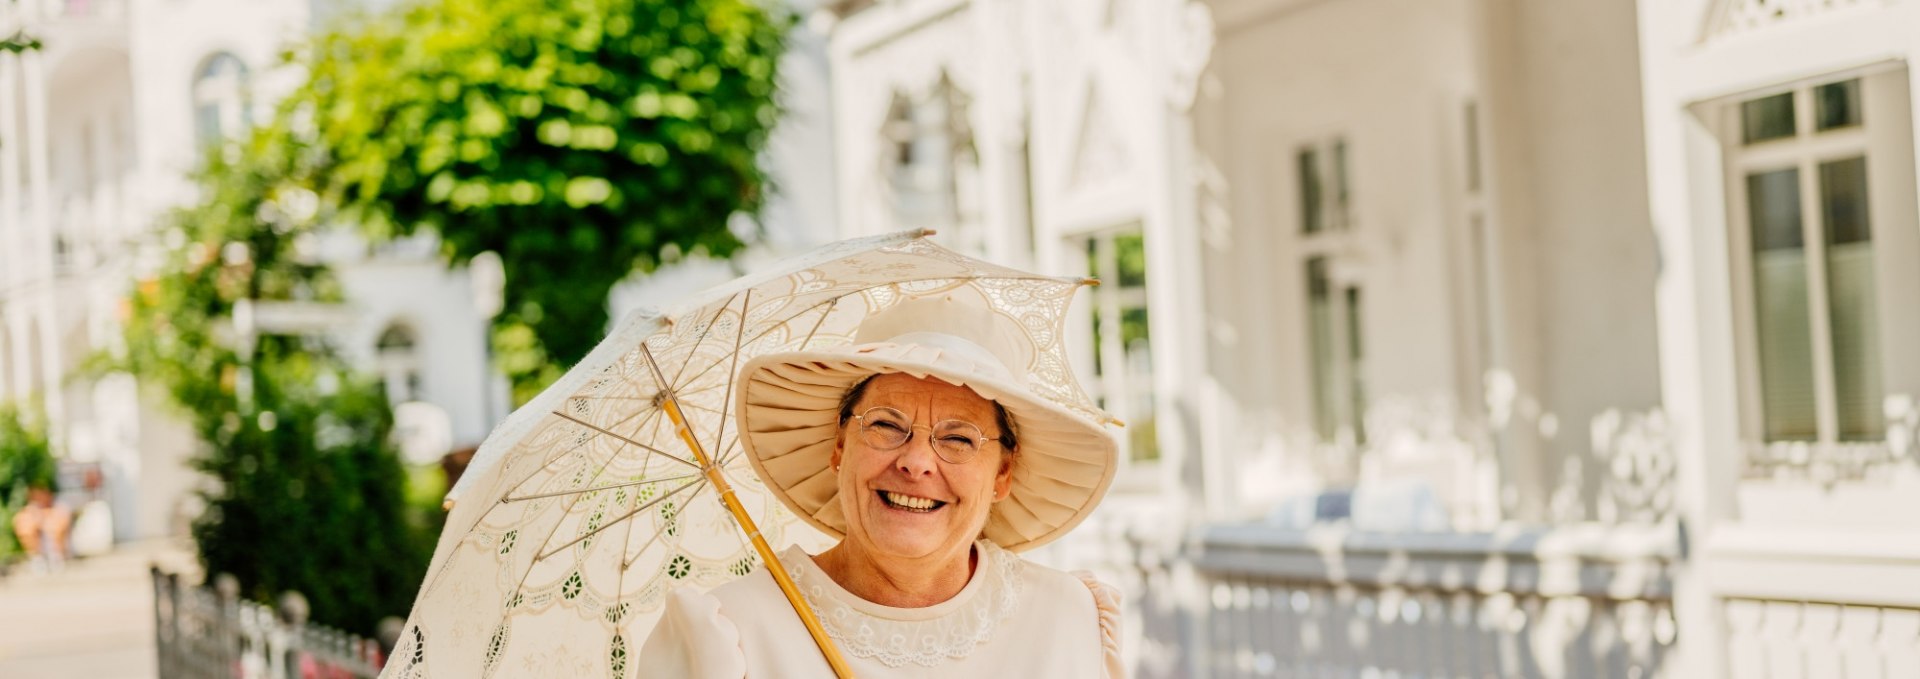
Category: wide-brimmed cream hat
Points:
column 789, row 409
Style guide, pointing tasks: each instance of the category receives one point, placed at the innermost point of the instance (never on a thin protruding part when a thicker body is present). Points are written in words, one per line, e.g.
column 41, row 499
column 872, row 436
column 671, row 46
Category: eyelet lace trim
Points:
column 898, row 643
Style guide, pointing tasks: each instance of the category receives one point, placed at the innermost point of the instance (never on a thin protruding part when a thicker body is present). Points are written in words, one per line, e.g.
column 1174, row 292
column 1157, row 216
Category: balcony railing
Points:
column 1259, row 601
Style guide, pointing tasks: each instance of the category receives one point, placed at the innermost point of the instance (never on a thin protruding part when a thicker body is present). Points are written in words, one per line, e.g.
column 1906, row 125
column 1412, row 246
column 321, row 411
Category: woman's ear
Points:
column 1003, row 481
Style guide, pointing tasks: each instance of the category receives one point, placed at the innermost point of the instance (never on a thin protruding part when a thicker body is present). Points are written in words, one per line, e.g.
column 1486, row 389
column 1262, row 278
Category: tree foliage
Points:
column 582, row 140
column 308, row 493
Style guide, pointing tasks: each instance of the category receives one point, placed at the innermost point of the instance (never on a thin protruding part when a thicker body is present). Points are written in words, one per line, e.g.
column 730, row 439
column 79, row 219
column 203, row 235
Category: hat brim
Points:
column 789, row 406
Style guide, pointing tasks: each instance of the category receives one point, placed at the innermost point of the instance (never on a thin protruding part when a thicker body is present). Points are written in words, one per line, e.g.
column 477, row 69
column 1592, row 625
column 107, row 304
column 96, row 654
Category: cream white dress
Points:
column 1013, row 619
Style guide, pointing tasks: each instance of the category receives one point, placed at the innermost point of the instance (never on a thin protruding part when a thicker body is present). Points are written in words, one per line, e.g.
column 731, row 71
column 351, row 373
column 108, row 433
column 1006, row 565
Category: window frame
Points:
column 233, row 114
column 1104, row 384
column 1331, row 241
column 1806, row 151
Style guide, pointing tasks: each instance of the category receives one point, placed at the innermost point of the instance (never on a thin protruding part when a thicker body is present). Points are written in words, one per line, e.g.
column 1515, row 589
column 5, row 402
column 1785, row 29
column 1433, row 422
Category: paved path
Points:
column 92, row 620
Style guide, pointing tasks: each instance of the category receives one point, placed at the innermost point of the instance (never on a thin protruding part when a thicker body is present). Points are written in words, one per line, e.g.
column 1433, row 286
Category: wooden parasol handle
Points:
column 774, row 568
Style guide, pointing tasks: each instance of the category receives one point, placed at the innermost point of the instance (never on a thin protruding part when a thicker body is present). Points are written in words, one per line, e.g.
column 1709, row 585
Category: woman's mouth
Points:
column 909, row 503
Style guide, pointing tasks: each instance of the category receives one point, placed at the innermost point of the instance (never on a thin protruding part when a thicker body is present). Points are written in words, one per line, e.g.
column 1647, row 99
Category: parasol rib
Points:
column 702, row 339
column 622, row 517
column 822, row 320
column 671, row 405
column 628, row 484
column 624, row 439
column 720, row 431
column 544, row 464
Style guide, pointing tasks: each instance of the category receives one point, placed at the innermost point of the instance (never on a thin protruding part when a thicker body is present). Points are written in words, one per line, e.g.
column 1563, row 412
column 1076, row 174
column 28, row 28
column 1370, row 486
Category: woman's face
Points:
column 886, row 493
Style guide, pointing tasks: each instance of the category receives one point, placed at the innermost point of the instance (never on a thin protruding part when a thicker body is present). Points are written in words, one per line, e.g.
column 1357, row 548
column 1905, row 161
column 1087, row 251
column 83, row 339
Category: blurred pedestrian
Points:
column 42, row 527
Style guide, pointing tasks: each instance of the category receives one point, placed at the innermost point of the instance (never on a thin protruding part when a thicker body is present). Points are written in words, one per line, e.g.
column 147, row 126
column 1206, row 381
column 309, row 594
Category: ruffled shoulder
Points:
column 693, row 639
column 1106, row 603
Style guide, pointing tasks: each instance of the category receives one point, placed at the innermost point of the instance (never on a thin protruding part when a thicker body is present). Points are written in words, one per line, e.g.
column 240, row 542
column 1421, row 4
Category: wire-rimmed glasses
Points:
column 955, row 441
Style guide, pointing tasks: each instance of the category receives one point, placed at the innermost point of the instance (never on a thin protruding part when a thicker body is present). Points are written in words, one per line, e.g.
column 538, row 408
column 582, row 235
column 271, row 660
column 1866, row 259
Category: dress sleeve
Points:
column 1106, row 603
column 694, row 640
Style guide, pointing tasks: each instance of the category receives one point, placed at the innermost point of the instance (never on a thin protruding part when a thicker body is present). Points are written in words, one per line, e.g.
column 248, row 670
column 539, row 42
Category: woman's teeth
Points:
column 909, row 502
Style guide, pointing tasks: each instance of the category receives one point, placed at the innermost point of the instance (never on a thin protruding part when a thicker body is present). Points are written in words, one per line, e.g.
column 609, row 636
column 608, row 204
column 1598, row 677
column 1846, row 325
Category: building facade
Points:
column 1781, row 178
column 1457, row 338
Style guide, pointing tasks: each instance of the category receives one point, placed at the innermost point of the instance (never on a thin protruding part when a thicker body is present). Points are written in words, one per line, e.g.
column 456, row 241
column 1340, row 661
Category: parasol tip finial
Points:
column 927, row 232
column 446, row 505
column 1090, row 282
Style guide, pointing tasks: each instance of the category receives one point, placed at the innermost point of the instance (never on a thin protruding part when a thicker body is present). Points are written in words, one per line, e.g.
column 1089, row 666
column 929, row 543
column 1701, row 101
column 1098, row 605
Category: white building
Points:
column 1456, row 361
column 1781, row 176
column 98, row 131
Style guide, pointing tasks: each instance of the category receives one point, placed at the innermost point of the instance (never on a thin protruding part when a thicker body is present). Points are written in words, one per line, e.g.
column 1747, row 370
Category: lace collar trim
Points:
column 911, row 637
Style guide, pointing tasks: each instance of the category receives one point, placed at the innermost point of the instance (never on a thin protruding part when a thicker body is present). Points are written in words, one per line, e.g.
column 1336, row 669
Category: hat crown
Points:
column 970, row 330
column 984, row 360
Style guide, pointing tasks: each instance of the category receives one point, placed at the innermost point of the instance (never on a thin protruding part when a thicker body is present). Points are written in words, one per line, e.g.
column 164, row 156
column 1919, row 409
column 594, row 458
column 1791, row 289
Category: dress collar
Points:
column 924, row 636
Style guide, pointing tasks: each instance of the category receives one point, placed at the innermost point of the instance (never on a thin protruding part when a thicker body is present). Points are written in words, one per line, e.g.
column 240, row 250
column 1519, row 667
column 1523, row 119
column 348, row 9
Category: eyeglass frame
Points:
column 913, row 428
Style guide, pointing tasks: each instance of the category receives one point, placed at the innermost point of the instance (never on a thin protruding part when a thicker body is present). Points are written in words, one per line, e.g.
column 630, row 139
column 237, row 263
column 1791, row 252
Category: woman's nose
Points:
column 917, row 457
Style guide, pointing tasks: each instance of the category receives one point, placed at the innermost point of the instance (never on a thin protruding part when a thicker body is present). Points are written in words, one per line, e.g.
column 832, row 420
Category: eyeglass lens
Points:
column 954, row 440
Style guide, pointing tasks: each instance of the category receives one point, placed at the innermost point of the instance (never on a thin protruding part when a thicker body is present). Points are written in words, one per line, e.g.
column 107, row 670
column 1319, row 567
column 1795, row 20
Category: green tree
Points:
column 26, row 461
column 309, row 494
column 582, row 140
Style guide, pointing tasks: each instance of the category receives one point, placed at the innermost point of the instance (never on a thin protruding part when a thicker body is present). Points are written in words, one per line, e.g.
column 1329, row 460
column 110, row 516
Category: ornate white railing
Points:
column 202, row 632
column 1774, row 638
column 1572, row 602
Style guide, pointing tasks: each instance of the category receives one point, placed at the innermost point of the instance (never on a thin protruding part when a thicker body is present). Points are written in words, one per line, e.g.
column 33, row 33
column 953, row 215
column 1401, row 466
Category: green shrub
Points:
column 26, row 461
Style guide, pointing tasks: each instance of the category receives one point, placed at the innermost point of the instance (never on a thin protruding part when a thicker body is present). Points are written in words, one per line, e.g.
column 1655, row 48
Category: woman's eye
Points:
column 956, row 440
column 886, row 426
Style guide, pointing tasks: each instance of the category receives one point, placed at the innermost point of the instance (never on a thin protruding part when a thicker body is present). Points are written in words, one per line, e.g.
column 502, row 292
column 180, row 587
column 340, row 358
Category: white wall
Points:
column 1384, row 74
column 1571, row 261
column 1580, row 175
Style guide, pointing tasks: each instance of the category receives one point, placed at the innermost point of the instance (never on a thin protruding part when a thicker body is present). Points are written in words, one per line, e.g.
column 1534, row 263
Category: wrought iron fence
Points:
column 208, row 633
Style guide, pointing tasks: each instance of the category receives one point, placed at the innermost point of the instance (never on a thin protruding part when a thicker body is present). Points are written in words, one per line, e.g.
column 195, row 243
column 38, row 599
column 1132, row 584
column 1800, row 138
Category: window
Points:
column 1323, row 187
column 1334, row 312
column 220, row 99
column 1806, row 240
column 1122, row 381
column 399, row 364
column 930, row 165
column 1334, row 344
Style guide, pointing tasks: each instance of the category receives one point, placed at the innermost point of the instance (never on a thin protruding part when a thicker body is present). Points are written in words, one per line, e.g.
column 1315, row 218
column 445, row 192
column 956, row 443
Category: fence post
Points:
column 225, row 632
column 162, row 626
column 291, row 612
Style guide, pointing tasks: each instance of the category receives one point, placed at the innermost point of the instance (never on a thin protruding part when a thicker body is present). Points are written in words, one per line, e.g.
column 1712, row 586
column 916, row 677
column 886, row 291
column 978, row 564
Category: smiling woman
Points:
column 933, row 462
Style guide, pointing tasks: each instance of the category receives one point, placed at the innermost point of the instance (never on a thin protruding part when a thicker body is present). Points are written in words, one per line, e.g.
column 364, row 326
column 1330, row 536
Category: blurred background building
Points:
column 1487, row 337
column 1455, row 337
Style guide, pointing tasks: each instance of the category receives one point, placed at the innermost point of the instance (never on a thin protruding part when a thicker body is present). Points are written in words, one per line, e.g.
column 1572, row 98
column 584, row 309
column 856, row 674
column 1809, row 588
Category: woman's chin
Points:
column 911, row 538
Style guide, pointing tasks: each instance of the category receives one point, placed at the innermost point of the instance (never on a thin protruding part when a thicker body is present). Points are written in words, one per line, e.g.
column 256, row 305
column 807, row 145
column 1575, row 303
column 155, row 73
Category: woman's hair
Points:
column 1001, row 417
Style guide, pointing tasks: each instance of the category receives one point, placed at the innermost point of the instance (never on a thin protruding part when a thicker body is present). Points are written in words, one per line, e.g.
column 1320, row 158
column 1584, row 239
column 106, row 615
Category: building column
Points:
column 1512, row 319
column 1182, row 47
column 14, row 243
column 40, row 220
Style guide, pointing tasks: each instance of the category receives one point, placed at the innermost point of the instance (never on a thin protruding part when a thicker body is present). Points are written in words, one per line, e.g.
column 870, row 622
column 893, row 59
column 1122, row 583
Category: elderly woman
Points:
column 933, row 460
